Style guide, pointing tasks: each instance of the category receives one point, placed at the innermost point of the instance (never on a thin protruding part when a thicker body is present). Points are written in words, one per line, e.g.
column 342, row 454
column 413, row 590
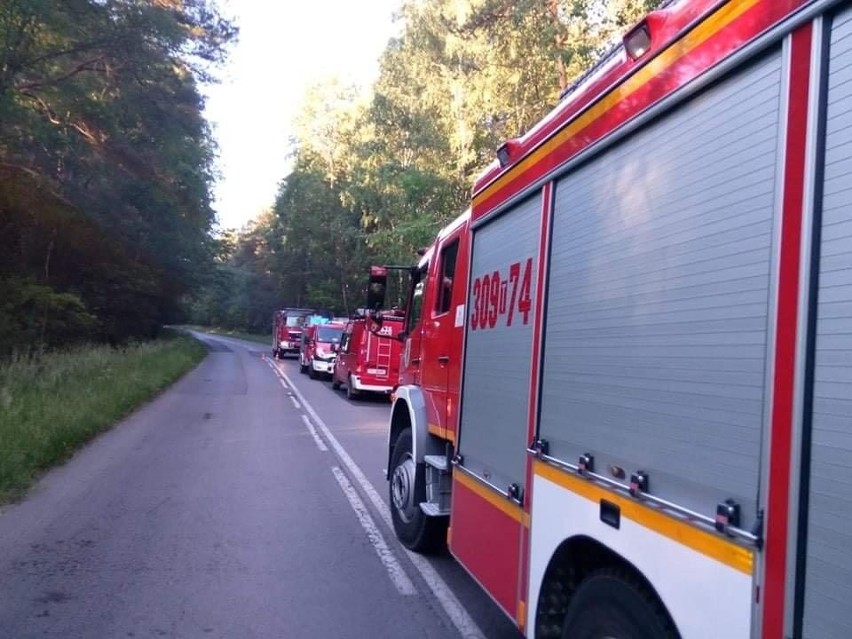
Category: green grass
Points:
column 52, row 405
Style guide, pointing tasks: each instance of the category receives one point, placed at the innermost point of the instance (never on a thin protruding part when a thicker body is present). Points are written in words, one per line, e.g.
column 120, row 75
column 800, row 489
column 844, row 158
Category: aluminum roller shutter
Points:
column 828, row 574
column 659, row 281
column 495, row 388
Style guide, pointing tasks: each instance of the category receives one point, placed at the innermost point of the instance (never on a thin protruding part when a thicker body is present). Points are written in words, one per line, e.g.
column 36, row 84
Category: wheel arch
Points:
column 572, row 561
column 409, row 411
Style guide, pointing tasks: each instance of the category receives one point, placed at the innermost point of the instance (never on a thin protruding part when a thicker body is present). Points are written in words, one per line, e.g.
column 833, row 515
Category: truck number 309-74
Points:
column 496, row 297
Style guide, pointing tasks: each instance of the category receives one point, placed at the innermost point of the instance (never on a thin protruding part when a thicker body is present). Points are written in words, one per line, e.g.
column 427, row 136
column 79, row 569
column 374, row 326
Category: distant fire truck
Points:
column 369, row 354
column 627, row 370
column 287, row 327
column 317, row 352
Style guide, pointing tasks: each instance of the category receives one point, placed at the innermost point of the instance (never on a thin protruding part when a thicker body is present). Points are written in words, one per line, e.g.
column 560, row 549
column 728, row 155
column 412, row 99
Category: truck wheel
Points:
column 612, row 603
column 351, row 393
column 413, row 528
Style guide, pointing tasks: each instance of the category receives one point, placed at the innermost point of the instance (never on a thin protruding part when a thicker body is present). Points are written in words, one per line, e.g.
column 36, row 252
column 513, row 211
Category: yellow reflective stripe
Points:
column 443, row 433
column 498, row 500
column 714, row 546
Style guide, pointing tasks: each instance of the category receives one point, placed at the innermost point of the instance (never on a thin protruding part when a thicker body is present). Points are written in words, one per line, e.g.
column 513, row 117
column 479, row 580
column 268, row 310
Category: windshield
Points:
column 327, row 334
column 294, row 320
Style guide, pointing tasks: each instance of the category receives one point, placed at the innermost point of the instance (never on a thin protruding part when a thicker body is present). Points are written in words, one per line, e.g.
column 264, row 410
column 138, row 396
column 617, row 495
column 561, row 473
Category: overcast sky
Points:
column 284, row 46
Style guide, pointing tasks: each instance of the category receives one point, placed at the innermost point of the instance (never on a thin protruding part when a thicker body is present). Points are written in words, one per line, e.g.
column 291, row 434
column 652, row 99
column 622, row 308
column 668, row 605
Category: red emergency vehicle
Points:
column 318, row 351
column 287, row 327
column 627, row 373
column 368, row 355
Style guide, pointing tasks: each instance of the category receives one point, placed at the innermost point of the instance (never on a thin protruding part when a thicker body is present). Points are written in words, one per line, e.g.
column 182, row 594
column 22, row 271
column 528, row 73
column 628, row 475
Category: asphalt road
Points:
column 246, row 501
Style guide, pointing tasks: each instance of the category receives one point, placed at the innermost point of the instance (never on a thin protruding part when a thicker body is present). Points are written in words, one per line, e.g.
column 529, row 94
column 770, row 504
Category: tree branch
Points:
column 89, row 65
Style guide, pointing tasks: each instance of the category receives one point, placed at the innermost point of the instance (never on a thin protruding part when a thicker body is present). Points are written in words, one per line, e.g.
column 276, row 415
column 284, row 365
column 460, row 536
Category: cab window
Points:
column 444, row 294
column 344, row 342
column 415, row 305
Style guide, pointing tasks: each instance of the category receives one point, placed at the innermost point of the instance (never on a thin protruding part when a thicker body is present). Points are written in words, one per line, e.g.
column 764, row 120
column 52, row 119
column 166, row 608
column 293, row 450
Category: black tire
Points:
column 351, row 393
column 335, row 385
column 612, row 603
column 413, row 528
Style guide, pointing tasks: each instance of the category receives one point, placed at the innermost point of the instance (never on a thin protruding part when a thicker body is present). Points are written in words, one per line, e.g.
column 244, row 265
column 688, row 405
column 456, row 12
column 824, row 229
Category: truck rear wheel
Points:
column 612, row 603
column 351, row 393
column 413, row 528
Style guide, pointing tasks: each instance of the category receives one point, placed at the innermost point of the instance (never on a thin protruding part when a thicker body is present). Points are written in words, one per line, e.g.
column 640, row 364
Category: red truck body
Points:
column 318, row 351
column 287, row 327
column 369, row 354
column 625, row 390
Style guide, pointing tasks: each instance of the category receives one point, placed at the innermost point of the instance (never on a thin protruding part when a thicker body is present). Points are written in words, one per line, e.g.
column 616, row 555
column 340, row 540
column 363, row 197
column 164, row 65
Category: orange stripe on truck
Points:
column 707, row 543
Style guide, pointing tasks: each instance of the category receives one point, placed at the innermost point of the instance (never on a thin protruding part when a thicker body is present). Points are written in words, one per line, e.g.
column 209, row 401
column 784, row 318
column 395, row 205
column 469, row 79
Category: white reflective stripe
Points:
column 453, row 608
column 320, row 443
column 395, row 571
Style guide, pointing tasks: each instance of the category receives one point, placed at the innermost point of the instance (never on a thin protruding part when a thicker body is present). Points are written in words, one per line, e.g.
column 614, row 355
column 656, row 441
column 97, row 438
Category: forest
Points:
column 107, row 164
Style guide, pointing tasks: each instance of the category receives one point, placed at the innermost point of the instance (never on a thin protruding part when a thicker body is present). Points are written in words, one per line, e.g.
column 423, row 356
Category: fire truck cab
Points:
column 318, row 351
column 626, row 380
column 287, row 326
column 368, row 355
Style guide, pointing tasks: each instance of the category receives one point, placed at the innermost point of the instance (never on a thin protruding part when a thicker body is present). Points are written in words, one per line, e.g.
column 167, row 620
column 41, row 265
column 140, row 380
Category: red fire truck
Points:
column 317, row 354
column 627, row 371
column 369, row 354
column 287, row 326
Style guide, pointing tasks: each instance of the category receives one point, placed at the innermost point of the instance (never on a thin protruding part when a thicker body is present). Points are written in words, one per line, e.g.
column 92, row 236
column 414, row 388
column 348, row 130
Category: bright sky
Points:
column 284, row 46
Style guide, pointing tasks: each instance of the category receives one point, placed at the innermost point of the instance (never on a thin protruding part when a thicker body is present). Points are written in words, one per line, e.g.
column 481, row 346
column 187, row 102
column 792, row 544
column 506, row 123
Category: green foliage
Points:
column 105, row 159
column 52, row 405
column 376, row 174
column 34, row 316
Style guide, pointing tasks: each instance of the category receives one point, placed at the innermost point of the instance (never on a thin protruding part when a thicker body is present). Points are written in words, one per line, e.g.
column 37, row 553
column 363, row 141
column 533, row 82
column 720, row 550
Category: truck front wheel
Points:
column 413, row 528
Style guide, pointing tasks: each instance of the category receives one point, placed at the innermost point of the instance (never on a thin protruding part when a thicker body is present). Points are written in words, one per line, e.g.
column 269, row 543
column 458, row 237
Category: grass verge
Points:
column 52, row 405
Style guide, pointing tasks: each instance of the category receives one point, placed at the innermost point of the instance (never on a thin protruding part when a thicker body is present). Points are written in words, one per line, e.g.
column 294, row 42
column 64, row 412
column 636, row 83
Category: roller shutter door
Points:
column 828, row 575
column 659, row 287
column 495, row 388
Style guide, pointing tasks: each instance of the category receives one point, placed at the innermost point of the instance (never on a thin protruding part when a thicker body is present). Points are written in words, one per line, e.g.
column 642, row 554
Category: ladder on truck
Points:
column 383, row 354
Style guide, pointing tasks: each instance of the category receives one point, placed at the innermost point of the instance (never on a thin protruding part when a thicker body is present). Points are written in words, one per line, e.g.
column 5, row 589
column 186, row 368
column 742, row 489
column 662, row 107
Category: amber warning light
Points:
column 637, row 42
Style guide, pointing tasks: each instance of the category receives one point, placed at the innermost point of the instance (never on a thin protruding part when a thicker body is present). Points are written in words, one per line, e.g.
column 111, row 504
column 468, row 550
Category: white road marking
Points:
column 313, row 431
column 295, row 402
column 395, row 571
column 454, row 609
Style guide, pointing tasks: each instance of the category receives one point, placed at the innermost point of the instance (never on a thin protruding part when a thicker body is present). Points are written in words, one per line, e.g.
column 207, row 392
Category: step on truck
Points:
column 625, row 399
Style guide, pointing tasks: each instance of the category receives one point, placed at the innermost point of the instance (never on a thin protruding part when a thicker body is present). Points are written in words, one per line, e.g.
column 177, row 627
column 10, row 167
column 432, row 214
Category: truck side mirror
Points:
column 377, row 287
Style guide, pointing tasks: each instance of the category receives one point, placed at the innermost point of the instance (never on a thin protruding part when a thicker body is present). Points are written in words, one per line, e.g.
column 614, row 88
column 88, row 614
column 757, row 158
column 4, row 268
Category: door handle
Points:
column 415, row 361
column 444, row 359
